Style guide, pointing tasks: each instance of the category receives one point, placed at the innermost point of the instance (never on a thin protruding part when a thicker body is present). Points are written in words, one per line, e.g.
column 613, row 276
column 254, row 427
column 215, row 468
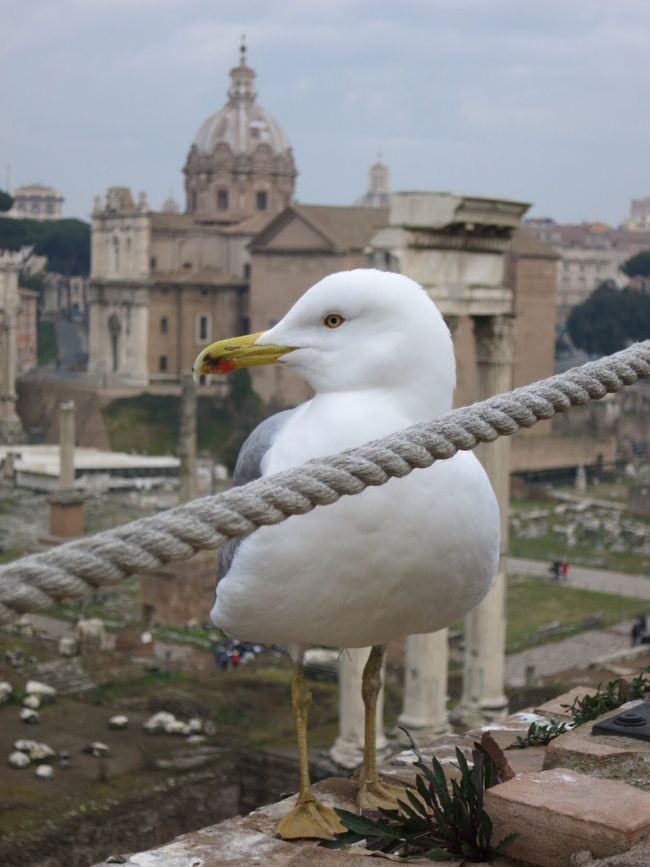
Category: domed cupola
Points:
column 240, row 162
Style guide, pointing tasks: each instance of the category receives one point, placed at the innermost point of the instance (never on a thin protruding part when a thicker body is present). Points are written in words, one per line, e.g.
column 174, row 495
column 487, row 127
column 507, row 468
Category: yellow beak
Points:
column 224, row 356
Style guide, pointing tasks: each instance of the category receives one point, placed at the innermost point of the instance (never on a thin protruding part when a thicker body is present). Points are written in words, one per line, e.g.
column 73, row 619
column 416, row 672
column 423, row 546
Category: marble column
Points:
column 187, row 449
column 66, row 445
column 424, row 708
column 348, row 747
column 10, row 426
column 483, row 696
column 67, row 502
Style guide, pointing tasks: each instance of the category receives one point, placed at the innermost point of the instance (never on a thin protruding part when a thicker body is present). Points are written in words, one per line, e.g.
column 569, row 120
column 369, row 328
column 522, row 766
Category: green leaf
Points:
column 439, row 855
column 367, row 827
column 347, row 838
column 505, row 842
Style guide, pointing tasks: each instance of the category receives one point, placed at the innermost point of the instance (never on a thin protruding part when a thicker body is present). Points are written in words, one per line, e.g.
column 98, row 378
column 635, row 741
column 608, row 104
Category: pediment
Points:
column 291, row 232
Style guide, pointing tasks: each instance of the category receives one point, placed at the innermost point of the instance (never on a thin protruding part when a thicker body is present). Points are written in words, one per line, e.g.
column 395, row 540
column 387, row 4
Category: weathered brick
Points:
column 604, row 756
column 554, row 708
column 559, row 812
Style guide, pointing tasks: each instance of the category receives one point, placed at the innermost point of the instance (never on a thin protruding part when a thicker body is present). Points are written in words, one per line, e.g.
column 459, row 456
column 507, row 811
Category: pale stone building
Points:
column 639, row 217
column 65, row 294
column 163, row 285
column 36, row 202
column 589, row 254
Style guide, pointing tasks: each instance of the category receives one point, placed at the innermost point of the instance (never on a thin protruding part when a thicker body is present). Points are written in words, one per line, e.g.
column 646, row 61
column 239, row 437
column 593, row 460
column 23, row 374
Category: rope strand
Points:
column 74, row 569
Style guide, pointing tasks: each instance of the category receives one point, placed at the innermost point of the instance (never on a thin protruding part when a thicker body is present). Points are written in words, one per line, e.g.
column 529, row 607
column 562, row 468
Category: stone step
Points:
column 66, row 676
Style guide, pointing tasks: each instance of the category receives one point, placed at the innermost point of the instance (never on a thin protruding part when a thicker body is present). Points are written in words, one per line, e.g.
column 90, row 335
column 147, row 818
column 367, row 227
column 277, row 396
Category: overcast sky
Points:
column 546, row 102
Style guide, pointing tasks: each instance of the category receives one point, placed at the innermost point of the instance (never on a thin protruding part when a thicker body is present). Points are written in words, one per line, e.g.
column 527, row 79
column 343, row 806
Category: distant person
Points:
column 639, row 630
column 564, row 570
column 555, row 569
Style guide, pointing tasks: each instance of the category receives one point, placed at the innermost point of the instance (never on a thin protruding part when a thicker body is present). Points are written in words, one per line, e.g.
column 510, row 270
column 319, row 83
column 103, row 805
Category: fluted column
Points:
column 348, row 747
column 424, row 709
column 485, row 627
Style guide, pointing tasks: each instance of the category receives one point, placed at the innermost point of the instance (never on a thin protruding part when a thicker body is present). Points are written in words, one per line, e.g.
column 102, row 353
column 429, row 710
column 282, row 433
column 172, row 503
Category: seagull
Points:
column 409, row 557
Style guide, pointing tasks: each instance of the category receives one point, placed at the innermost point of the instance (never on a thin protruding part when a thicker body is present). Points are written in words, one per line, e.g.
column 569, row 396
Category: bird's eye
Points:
column 333, row 320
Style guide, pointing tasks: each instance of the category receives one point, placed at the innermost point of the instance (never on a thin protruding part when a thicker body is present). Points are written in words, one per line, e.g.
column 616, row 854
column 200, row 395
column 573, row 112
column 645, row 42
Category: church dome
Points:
column 240, row 164
column 242, row 124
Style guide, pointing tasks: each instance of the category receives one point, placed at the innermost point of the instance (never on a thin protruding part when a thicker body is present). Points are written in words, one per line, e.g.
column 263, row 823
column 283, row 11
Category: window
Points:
column 261, row 200
column 164, row 325
column 203, row 328
column 49, row 206
column 36, row 208
column 152, row 263
column 162, row 363
column 247, row 271
column 222, row 200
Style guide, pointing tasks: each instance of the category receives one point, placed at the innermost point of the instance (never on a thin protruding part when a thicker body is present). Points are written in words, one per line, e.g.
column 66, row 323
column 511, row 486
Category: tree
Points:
column 66, row 243
column 637, row 266
column 609, row 320
column 6, row 201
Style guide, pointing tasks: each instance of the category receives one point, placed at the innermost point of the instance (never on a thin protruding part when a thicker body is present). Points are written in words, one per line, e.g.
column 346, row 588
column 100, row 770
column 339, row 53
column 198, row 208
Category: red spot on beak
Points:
column 224, row 365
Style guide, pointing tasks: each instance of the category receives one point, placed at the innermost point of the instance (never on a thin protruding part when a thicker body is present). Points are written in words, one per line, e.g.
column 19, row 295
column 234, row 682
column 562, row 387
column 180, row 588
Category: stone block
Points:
column 558, row 813
column 401, row 767
column 526, row 761
column 554, row 709
column 505, row 731
column 603, row 756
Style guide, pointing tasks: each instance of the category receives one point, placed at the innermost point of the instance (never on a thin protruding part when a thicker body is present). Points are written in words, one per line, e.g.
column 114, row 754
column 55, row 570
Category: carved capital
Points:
column 494, row 339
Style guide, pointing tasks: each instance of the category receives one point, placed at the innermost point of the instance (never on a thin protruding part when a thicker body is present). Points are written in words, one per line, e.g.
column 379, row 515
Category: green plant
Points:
column 439, row 822
column 540, row 734
column 608, row 697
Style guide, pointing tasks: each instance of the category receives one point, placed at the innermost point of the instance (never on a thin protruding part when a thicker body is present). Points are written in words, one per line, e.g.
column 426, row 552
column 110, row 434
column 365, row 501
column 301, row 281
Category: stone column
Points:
column 187, row 449
column 348, row 747
column 66, row 504
column 485, row 628
column 424, row 705
column 66, row 445
column 424, row 708
column 10, row 427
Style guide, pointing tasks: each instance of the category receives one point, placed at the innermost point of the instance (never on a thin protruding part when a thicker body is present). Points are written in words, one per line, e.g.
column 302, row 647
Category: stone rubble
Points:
column 29, row 716
column 44, row 772
column 42, row 690
column 18, row 759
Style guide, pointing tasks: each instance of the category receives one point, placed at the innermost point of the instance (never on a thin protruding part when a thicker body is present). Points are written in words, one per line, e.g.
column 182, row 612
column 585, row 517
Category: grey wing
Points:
column 247, row 469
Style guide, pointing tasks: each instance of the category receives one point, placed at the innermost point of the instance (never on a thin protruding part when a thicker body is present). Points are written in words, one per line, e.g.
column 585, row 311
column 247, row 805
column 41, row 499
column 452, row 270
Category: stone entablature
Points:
column 454, row 246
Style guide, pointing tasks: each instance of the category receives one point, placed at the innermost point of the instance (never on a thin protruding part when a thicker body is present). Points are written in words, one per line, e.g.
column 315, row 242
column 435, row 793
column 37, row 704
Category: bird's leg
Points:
column 309, row 818
column 374, row 792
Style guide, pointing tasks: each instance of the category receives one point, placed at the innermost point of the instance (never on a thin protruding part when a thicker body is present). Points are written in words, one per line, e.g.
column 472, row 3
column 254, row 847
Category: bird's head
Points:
column 354, row 330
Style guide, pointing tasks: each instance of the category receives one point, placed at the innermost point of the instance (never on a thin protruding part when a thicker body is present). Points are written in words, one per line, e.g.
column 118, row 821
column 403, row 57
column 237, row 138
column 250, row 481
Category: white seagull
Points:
column 409, row 557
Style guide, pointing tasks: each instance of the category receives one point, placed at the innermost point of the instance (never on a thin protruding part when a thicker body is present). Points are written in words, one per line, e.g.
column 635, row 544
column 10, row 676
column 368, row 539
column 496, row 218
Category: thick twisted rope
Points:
column 75, row 568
